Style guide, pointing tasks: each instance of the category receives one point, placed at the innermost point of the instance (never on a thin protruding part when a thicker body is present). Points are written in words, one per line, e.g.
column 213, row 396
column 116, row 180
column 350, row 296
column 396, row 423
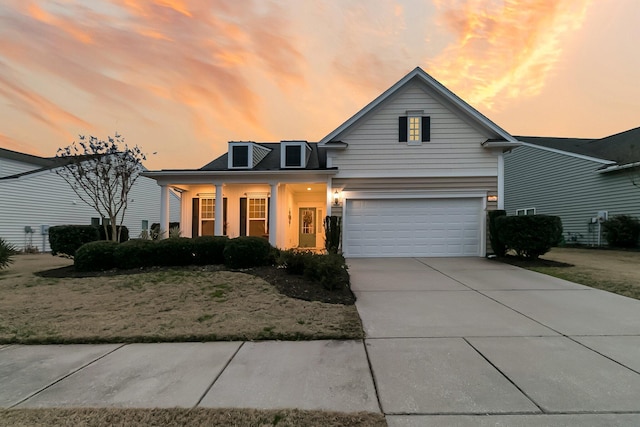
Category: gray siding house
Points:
column 580, row 180
column 33, row 196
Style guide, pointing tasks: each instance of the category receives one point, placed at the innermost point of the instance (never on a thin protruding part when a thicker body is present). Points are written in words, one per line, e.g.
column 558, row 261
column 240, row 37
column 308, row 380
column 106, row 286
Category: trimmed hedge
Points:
column 135, row 254
column 529, row 235
column 174, row 251
column 247, row 251
column 209, row 249
column 622, row 231
column 66, row 239
column 328, row 270
column 95, row 256
column 498, row 246
column 124, row 232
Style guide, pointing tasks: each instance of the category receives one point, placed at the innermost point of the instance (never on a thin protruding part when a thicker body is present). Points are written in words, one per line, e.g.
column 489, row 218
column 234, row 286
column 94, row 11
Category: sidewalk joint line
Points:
column 218, row 376
column 373, row 375
column 65, row 376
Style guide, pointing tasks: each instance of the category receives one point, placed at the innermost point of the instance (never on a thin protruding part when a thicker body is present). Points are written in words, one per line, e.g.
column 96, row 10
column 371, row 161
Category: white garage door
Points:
column 412, row 227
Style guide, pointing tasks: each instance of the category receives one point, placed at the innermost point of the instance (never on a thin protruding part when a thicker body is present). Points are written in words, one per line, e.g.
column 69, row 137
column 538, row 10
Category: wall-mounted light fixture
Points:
column 492, row 198
column 336, row 198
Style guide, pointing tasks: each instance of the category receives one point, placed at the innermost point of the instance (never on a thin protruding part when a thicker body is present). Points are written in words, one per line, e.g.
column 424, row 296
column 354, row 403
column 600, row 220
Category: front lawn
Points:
column 610, row 270
column 162, row 305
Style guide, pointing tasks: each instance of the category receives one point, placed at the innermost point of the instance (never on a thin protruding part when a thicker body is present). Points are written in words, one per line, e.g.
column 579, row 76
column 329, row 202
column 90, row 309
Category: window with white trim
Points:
column 257, row 216
column 240, row 156
column 414, row 129
column 526, row 211
column 207, row 217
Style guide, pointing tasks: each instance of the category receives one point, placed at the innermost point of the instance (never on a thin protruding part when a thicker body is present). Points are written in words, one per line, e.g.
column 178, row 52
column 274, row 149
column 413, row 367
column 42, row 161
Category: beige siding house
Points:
column 412, row 174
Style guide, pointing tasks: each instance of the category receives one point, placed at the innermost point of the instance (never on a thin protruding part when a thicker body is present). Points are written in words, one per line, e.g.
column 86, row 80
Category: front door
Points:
column 307, row 228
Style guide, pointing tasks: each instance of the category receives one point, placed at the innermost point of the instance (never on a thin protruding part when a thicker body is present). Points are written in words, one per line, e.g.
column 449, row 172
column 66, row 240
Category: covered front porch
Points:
column 289, row 212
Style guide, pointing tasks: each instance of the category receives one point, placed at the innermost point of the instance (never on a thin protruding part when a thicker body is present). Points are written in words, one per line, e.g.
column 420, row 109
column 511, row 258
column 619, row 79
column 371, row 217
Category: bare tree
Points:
column 102, row 174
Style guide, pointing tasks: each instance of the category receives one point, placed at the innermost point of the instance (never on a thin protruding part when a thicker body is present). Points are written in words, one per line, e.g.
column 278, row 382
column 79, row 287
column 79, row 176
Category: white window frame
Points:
column 249, row 155
column 304, row 148
column 525, row 211
column 266, row 213
column 416, row 116
column 200, row 216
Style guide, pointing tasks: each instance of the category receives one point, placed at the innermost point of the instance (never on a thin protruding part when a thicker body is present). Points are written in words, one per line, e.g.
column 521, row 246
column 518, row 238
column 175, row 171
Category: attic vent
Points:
column 259, row 153
column 245, row 155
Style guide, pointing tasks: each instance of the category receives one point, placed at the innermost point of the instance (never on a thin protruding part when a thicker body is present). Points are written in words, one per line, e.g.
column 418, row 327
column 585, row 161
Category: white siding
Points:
column 11, row 167
column 374, row 151
column 569, row 187
column 46, row 199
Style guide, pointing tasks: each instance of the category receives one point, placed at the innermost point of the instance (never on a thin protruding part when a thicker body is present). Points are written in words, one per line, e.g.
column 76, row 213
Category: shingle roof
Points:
column 622, row 148
column 45, row 163
column 317, row 159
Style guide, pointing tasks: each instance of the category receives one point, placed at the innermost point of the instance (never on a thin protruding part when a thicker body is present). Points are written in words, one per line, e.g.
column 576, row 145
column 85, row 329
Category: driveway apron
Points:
column 471, row 341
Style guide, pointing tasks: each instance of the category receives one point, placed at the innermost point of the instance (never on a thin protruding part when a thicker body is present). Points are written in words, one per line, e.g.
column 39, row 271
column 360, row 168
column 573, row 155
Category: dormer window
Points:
column 414, row 128
column 240, row 156
column 294, row 154
column 245, row 155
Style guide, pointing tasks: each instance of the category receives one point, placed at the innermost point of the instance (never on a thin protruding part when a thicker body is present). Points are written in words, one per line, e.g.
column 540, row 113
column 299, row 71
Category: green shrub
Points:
column 95, row 256
column 66, row 239
column 135, row 254
column 328, row 270
column 7, row 251
column 155, row 230
column 622, row 231
column 529, row 235
column 247, row 251
column 209, row 249
column 332, row 230
column 293, row 260
column 124, row 232
column 174, row 251
column 498, row 246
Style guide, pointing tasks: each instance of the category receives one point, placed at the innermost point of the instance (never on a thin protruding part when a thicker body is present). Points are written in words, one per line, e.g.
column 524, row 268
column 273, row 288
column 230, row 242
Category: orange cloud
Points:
column 505, row 49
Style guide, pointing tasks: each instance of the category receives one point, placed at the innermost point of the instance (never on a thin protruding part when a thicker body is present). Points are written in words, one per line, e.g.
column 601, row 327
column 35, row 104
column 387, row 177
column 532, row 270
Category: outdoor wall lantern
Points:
column 336, row 198
column 492, row 198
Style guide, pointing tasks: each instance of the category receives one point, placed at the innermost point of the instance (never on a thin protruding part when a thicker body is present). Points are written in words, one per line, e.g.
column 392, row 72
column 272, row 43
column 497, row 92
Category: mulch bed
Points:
column 293, row 286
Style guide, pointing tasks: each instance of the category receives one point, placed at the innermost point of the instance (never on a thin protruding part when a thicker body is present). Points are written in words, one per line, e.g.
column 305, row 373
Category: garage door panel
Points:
column 413, row 227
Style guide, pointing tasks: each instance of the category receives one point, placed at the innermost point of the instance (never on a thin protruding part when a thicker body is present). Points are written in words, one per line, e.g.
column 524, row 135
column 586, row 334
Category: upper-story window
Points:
column 414, row 128
column 240, row 156
column 294, row 154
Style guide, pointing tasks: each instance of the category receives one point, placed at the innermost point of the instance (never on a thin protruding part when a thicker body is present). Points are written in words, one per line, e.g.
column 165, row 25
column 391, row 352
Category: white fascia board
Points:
column 244, row 176
column 426, row 194
column 567, row 153
column 617, row 167
column 435, row 85
column 418, row 174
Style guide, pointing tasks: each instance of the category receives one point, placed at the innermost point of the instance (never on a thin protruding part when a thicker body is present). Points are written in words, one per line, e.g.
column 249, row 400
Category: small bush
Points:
column 332, row 230
column 247, row 251
column 135, row 254
column 498, row 246
column 174, row 251
column 529, row 235
column 622, row 231
column 328, row 270
column 294, row 260
column 209, row 249
column 95, row 256
column 7, row 250
column 156, row 232
column 66, row 239
column 124, row 232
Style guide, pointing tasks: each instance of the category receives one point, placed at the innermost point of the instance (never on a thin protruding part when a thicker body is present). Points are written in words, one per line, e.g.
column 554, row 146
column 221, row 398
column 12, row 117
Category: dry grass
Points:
column 185, row 417
column 609, row 270
column 172, row 305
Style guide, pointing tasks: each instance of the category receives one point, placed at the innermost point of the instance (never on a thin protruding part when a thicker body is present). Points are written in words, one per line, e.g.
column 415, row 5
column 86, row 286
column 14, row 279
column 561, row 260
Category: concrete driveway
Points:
column 470, row 341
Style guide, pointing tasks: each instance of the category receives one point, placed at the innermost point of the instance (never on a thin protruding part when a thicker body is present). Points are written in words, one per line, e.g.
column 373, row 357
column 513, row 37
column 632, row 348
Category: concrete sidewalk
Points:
column 450, row 342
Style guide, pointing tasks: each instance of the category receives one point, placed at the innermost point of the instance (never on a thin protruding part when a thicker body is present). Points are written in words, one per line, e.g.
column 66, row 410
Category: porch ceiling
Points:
column 304, row 188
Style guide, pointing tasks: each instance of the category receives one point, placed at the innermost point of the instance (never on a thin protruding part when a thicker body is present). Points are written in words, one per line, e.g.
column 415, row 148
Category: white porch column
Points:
column 273, row 215
column 164, row 212
column 219, row 213
column 501, row 181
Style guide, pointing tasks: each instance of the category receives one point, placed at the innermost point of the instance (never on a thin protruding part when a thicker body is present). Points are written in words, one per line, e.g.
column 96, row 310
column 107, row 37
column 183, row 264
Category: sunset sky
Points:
column 183, row 77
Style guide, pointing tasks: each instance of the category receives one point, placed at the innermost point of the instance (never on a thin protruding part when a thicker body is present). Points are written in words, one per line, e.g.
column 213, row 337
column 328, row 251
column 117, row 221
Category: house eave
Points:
column 617, row 167
column 501, row 144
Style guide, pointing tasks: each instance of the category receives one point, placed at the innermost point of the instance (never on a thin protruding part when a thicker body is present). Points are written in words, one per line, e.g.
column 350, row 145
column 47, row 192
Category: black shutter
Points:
column 426, row 128
column 195, row 217
column 243, row 216
column 224, row 216
column 402, row 128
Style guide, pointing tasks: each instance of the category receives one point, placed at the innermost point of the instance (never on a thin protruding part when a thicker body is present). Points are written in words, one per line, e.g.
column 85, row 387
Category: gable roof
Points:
column 620, row 149
column 500, row 138
column 44, row 163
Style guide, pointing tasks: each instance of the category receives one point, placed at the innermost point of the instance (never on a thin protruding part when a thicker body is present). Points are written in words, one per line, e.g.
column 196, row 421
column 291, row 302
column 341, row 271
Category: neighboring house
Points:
column 580, row 180
column 412, row 174
column 33, row 197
